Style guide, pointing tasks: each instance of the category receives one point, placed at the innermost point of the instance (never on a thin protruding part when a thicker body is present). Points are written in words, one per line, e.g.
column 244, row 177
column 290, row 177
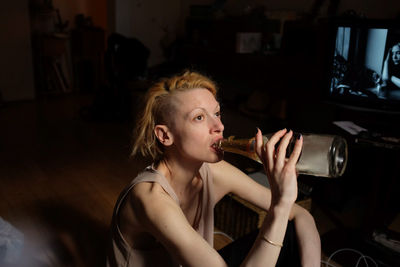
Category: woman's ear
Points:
column 163, row 135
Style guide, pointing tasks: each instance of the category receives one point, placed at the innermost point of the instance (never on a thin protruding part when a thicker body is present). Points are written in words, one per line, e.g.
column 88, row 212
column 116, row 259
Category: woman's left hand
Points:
column 281, row 171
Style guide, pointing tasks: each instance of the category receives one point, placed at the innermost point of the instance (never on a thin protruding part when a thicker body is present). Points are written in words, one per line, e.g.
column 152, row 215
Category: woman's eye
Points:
column 218, row 114
column 199, row 118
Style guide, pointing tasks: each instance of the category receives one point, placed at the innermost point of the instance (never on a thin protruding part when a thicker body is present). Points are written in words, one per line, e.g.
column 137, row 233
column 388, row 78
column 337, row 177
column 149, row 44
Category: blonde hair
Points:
column 159, row 108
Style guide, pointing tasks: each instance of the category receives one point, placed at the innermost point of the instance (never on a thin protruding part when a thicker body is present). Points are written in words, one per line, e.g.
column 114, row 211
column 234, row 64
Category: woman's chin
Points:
column 218, row 157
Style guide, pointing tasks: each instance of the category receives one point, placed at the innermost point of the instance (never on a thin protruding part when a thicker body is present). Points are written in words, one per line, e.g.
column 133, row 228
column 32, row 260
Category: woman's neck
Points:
column 181, row 175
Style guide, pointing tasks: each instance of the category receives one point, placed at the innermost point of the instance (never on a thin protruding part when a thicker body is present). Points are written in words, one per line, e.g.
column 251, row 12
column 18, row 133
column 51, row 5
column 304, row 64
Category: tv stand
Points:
column 376, row 139
column 365, row 199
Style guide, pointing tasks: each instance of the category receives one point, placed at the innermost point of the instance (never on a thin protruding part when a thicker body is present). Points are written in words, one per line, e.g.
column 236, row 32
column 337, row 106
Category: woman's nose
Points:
column 220, row 126
column 217, row 125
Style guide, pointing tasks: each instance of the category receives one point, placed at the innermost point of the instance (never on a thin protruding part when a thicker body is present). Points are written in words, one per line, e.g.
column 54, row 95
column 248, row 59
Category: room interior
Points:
column 72, row 83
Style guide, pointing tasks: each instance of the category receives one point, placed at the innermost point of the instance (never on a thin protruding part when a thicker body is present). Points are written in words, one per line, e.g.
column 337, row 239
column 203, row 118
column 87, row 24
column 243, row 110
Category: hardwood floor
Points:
column 60, row 177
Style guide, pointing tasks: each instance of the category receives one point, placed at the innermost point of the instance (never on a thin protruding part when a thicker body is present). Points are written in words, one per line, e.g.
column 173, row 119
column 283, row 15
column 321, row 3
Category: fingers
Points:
column 281, row 153
column 270, row 148
column 275, row 158
column 277, row 136
column 259, row 145
column 294, row 157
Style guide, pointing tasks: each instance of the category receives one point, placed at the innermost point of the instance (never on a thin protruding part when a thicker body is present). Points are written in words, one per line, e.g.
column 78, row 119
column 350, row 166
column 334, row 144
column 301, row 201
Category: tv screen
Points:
column 364, row 65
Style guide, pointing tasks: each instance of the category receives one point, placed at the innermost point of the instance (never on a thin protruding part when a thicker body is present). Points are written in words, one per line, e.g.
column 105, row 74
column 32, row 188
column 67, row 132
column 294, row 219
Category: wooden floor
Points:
column 60, row 177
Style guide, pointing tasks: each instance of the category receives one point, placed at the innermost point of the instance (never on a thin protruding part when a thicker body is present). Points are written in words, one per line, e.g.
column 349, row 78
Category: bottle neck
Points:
column 237, row 144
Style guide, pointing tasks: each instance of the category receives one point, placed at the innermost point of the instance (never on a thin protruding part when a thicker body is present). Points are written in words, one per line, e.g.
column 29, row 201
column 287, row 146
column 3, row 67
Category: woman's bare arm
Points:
column 229, row 179
column 162, row 217
column 385, row 71
column 395, row 80
column 235, row 181
column 307, row 237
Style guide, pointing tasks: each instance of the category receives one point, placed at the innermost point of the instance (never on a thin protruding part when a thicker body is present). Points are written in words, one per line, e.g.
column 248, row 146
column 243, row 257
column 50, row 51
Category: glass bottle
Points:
column 321, row 155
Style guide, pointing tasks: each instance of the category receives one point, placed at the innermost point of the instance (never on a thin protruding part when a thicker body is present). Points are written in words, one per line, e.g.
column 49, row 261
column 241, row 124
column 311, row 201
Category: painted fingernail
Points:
column 299, row 136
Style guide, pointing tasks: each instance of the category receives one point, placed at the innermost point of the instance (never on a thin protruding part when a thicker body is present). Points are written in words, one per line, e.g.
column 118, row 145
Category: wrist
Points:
column 281, row 208
column 282, row 202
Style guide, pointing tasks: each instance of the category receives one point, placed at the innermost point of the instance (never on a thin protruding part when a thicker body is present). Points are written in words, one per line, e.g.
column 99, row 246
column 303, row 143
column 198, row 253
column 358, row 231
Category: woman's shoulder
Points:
column 221, row 168
column 144, row 204
column 148, row 194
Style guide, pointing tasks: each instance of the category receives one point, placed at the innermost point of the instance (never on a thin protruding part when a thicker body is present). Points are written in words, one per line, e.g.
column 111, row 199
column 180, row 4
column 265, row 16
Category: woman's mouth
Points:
column 217, row 146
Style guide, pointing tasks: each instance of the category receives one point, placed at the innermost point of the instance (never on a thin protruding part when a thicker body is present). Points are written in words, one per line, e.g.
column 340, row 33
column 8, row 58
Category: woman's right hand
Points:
column 281, row 171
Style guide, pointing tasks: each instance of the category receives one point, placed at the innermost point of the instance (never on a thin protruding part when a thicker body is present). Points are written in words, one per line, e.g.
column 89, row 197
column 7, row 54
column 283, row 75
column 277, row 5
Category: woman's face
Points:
column 197, row 125
column 396, row 55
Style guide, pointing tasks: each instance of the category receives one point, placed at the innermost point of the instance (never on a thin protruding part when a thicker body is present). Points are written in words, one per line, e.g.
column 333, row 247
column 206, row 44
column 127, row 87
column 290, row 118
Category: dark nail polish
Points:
column 299, row 136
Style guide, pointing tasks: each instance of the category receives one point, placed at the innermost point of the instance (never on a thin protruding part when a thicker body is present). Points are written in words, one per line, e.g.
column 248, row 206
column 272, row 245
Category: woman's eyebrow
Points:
column 202, row 109
column 193, row 110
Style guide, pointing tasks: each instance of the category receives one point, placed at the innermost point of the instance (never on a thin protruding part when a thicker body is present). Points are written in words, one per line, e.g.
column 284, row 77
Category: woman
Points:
column 165, row 217
column 391, row 68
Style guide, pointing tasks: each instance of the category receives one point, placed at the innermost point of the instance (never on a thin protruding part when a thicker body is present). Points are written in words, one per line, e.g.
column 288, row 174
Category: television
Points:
column 363, row 70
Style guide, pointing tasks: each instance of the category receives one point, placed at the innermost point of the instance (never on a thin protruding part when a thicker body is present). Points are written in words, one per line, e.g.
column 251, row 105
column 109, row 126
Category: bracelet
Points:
column 271, row 242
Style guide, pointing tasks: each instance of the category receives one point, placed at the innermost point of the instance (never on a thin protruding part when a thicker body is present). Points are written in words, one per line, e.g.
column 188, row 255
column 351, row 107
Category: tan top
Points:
column 123, row 255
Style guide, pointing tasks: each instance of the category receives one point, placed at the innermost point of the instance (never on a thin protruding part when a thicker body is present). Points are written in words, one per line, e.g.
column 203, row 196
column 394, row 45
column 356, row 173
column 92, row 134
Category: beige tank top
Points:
column 121, row 254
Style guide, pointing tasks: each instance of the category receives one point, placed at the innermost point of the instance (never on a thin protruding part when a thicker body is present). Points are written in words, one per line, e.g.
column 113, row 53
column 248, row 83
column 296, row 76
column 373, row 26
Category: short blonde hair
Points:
column 159, row 109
